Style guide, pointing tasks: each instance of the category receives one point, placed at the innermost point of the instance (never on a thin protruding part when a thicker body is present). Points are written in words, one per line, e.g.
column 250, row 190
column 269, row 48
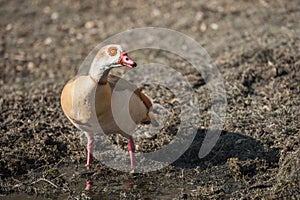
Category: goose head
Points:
column 109, row 57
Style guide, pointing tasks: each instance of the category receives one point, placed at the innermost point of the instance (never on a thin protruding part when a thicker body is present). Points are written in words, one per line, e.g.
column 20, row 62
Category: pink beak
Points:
column 125, row 60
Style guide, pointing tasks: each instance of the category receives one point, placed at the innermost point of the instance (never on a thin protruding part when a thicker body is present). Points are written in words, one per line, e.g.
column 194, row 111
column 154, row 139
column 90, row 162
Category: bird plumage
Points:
column 99, row 102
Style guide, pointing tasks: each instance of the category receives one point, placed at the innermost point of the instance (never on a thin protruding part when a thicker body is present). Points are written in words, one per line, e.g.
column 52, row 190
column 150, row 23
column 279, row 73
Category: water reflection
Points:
column 88, row 184
column 128, row 185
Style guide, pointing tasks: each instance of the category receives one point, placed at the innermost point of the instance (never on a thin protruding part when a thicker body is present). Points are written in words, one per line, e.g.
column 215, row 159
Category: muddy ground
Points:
column 255, row 45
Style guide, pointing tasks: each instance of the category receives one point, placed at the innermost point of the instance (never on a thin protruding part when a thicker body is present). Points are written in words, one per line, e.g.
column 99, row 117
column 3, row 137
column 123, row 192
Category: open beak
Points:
column 125, row 60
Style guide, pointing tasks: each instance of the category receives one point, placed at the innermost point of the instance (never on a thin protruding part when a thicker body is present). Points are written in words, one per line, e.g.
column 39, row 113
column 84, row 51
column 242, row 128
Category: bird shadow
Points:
column 229, row 145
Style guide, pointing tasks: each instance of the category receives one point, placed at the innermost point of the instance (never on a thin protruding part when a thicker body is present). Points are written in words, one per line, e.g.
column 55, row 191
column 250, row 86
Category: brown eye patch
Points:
column 112, row 51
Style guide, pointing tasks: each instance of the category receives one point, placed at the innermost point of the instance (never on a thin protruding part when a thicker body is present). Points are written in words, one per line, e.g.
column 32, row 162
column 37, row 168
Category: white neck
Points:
column 98, row 72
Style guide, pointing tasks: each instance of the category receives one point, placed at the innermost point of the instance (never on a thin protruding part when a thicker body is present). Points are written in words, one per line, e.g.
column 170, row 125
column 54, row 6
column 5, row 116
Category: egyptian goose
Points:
column 89, row 97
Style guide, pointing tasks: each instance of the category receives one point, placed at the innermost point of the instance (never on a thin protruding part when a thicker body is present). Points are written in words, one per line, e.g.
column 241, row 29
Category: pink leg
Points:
column 131, row 149
column 90, row 146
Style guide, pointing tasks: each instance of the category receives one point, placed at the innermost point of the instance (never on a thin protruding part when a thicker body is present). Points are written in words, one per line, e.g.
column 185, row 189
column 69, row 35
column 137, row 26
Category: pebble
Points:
column 19, row 68
column 8, row 27
column 54, row 16
column 199, row 16
column 203, row 27
column 48, row 41
column 89, row 25
column 156, row 12
column 46, row 9
column 30, row 65
column 214, row 26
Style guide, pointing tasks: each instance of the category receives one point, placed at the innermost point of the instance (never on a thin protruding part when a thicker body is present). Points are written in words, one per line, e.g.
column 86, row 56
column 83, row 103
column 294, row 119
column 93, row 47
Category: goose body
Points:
column 94, row 101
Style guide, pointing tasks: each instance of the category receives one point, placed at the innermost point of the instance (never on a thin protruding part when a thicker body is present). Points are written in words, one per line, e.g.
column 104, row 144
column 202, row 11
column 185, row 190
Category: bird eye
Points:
column 112, row 51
